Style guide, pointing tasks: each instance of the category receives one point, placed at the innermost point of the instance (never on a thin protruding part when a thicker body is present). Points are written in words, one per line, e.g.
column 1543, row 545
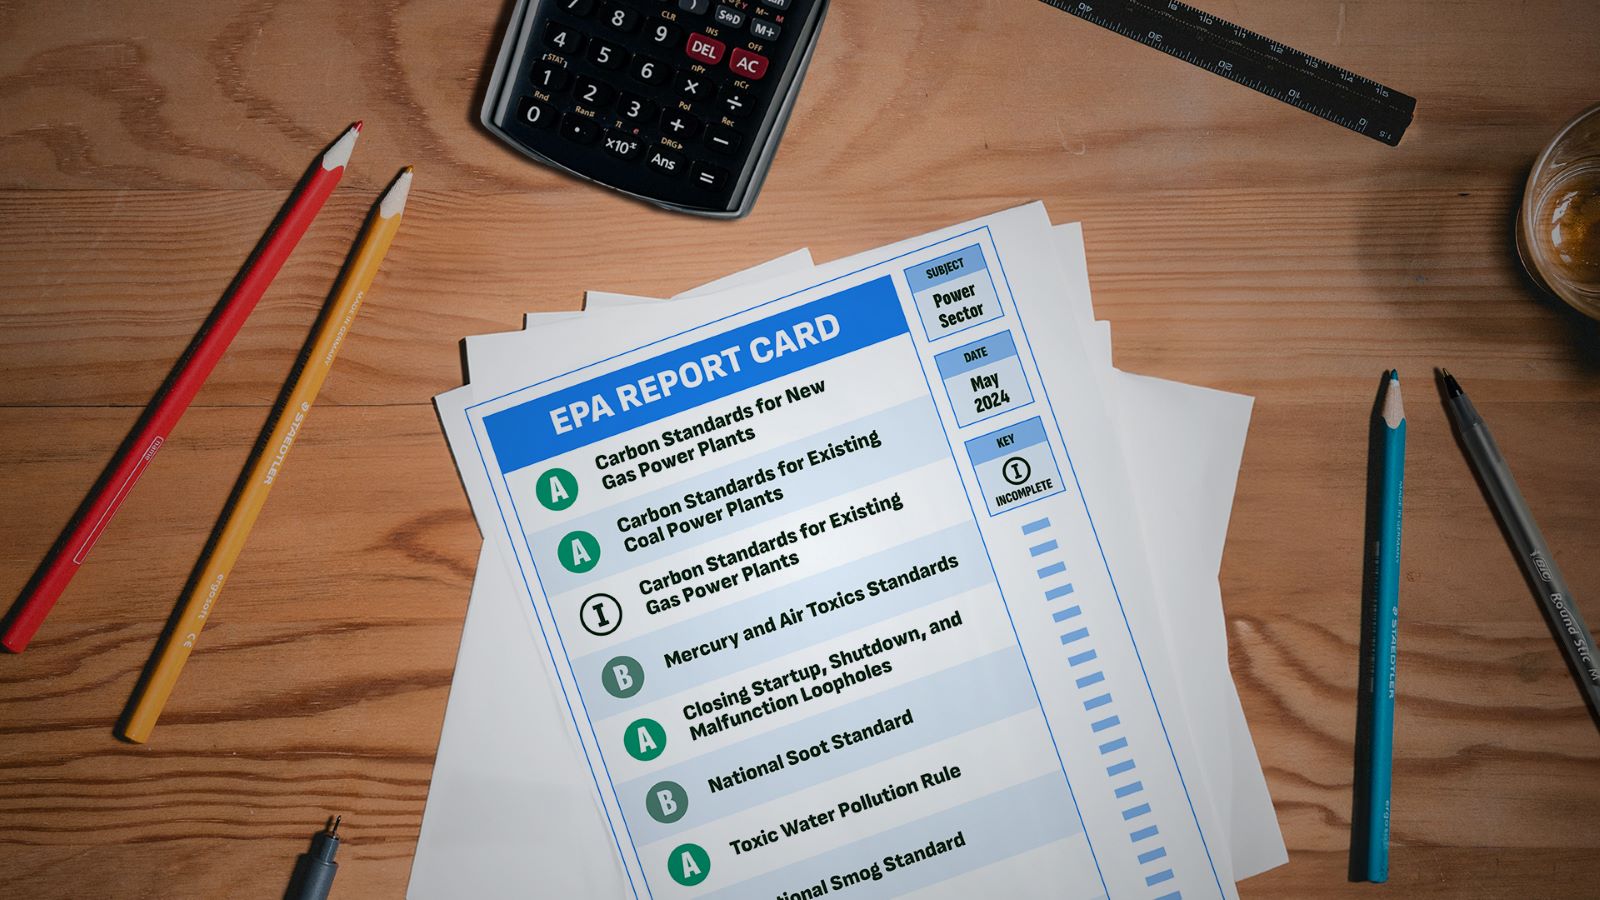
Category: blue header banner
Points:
column 963, row 263
column 699, row 373
column 976, row 355
column 1006, row 441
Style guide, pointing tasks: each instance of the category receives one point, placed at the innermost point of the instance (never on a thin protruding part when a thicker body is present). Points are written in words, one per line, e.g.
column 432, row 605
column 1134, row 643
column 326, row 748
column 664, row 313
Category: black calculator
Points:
column 677, row 102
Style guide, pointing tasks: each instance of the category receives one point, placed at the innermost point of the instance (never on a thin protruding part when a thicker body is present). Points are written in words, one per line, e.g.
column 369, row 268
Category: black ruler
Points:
column 1259, row 63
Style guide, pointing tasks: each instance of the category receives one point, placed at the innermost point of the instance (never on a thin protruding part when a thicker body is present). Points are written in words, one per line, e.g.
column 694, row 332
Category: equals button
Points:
column 712, row 178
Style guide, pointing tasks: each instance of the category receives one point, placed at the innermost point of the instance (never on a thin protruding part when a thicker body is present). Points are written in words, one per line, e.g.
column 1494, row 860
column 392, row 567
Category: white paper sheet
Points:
column 491, row 791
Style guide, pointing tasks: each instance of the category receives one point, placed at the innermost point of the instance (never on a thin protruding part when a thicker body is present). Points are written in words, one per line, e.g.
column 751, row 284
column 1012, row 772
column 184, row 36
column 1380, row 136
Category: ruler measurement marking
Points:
column 1254, row 61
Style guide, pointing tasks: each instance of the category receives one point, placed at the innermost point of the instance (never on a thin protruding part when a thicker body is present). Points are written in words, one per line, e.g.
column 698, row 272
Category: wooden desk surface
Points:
column 1233, row 241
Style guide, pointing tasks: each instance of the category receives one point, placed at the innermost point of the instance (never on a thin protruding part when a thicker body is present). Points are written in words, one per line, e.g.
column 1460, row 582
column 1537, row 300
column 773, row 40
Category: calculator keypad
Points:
column 675, row 93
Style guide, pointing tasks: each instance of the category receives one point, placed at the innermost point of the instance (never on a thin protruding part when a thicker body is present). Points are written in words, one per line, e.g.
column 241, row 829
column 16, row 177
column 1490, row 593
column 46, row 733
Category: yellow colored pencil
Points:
column 265, row 465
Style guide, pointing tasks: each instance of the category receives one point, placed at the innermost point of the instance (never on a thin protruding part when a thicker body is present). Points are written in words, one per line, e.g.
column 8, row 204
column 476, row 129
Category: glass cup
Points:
column 1558, row 226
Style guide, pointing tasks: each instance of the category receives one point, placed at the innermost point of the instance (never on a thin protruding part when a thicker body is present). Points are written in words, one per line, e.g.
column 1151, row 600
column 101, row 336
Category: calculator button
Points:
column 750, row 65
column 724, row 139
column 621, row 18
column 623, row 146
column 549, row 76
column 662, row 35
column 737, row 104
column 695, row 86
column 698, row 7
column 560, row 38
column 651, row 71
column 765, row 30
column 666, row 162
column 578, row 8
column 679, row 125
column 775, row 4
column 581, row 129
column 607, row 56
column 635, row 109
column 591, row 93
column 712, row 178
column 532, row 112
column 727, row 15
column 705, row 49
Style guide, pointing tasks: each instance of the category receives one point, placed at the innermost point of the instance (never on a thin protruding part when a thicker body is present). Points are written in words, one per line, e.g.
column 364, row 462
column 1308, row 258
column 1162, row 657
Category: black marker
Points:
column 316, row 877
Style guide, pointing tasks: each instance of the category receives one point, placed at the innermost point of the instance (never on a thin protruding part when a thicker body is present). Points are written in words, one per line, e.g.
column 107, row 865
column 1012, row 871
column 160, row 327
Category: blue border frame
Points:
column 988, row 271
column 945, row 382
column 1053, row 461
column 1071, row 466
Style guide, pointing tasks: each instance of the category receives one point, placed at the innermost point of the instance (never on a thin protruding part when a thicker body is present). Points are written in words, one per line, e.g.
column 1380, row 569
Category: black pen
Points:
column 316, row 878
column 1549, row 587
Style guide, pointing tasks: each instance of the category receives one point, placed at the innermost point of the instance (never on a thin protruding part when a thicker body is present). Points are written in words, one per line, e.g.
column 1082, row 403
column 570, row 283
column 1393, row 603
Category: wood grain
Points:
column 1234, row 242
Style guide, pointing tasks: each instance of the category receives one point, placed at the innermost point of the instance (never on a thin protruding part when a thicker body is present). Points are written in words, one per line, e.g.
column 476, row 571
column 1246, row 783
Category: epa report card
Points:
column 826, row 587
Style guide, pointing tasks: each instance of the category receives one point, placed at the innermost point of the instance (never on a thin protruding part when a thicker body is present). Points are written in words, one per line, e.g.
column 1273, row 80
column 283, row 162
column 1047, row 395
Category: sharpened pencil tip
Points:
column 359, row 123
column 339, row 154
column 1394, row 411
column 394, row 200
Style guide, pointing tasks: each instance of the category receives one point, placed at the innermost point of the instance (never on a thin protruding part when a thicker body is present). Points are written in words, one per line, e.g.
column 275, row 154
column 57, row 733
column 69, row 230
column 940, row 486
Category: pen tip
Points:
column 1451, row 387
column 336, row 821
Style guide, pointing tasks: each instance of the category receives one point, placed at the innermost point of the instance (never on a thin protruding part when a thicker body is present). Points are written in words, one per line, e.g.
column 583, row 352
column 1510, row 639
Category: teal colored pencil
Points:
column 1381, row 736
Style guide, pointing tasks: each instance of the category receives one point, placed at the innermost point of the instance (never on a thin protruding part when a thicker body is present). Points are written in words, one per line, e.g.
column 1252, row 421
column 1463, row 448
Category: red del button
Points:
column 708, row 50
column 750, row 65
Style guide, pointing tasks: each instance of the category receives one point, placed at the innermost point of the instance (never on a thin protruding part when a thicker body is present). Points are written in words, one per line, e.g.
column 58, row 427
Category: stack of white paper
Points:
column 871, row 579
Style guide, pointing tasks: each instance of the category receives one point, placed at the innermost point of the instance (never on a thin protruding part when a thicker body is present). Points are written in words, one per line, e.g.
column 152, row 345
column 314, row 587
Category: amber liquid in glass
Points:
column 1566, row 229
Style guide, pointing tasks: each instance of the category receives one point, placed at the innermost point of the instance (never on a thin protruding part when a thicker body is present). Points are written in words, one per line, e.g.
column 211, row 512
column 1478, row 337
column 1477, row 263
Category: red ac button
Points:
column 750, row 65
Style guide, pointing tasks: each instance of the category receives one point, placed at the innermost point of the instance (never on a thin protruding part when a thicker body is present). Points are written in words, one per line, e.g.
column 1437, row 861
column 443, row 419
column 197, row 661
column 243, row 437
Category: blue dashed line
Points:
column 1052, row 569
column 1057, row 593
column 1098, row 701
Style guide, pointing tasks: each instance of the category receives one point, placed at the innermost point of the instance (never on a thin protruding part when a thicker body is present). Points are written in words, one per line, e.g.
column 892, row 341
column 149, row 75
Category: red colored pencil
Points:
column 173, row 398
